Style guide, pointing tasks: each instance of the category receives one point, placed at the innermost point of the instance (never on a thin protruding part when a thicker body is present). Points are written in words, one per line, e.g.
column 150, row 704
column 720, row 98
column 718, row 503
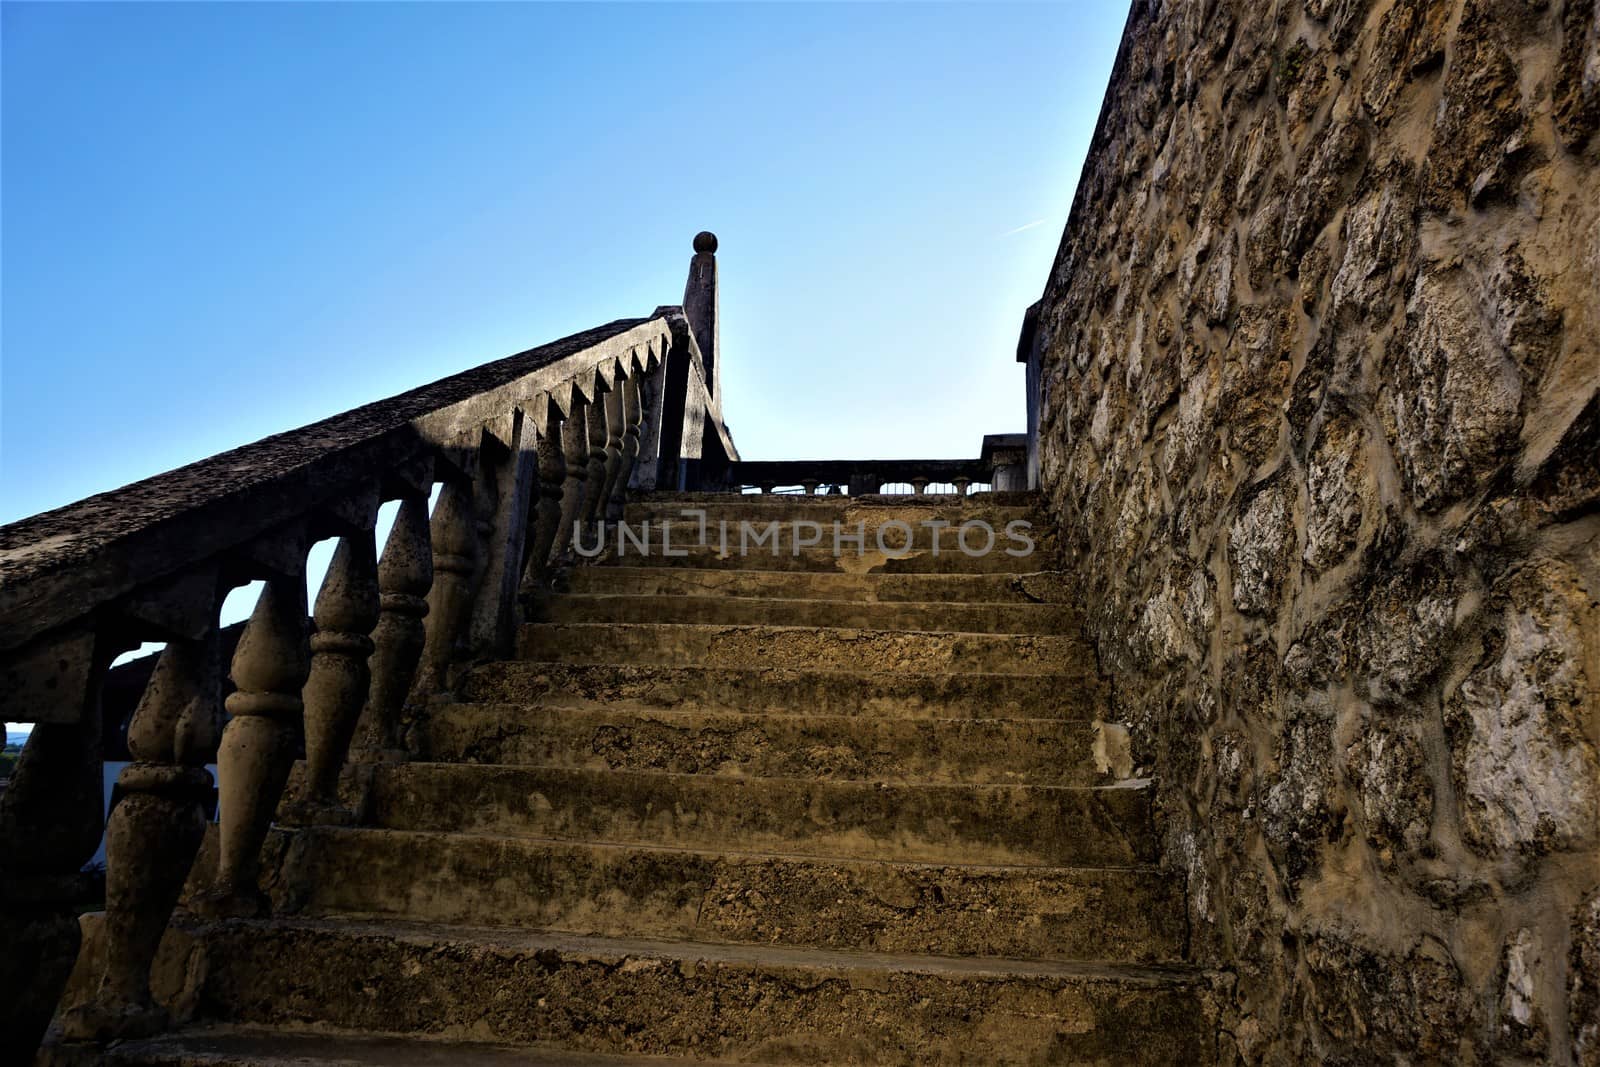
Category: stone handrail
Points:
column 521, row 450
column 62, row 566
column 1001, row 464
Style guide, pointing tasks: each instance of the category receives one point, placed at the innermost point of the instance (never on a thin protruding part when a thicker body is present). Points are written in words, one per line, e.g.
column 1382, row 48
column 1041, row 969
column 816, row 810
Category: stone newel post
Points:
column 700, row 308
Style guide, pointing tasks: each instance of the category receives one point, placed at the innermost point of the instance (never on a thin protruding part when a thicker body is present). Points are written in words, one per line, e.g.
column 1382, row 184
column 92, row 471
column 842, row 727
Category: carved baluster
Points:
column 485, row 503
column 346, row 611
column 810, row 486
column 961, row 486
column 507, row 524
column 919, row 485
column 454, row 534
column 552, row 479
column 153, row 835
column 269, row 668
column 633, row 422
column 405, row 575
column 616, row 430
column 597, row 435
column 651, row 400
column 575, row 450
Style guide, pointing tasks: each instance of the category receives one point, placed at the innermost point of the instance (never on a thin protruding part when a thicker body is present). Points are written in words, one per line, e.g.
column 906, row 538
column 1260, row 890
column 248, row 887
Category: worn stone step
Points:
column 1048, row 587
column 851, row 614
column 737, row 1002
column 826, row 547
column 862, row 692
column 915, row 822
column 823, row 559
column 1132, row 914
column 758, row 535
column 636, row 737
column 684, row 645
column 257, row 1046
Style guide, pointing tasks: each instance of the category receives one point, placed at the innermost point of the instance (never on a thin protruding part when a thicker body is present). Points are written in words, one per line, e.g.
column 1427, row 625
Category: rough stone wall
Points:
column 1319, row 358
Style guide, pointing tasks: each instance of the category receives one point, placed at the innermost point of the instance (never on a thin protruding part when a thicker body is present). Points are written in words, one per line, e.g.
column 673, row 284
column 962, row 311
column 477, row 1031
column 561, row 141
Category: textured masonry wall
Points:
column 1320, row 356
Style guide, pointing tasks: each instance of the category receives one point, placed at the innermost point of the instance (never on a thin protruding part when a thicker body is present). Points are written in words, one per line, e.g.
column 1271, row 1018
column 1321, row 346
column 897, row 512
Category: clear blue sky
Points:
column 222, row 221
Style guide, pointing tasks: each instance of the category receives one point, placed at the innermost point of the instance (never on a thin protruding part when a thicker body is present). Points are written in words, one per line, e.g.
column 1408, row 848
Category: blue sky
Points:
column 222, row 221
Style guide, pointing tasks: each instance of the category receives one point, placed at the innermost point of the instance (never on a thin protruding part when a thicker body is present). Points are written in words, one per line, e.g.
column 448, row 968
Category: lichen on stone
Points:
column 1260, row 544
column 1527, row 776
column 1452, row 404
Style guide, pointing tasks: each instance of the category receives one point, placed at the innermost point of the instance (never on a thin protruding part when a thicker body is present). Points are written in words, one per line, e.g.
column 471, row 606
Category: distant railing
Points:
column 520, row 449
column 1001, row 465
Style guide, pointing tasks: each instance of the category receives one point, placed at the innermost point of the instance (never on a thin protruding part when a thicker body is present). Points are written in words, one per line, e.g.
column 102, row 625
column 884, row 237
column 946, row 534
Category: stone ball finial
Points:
column 705, row 241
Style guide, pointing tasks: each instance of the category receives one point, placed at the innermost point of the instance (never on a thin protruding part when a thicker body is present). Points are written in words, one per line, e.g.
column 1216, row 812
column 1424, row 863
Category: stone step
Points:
column 911, row 822
column 254, row 1046
column 822, row 559
column 635, row 737
column 1133, row 914
column 759, row 535
column 851, row 614
column 864, row 693
column 811, row 647
column 736, row 1002
column 1048, row 587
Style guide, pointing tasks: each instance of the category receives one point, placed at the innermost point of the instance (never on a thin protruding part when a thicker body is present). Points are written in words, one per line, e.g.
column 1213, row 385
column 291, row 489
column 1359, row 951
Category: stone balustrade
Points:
column 517, row 455
column 517, row 450
column 1001, row 466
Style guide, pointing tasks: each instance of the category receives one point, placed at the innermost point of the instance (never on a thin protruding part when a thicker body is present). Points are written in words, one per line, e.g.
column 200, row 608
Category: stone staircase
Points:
column 749, row 809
